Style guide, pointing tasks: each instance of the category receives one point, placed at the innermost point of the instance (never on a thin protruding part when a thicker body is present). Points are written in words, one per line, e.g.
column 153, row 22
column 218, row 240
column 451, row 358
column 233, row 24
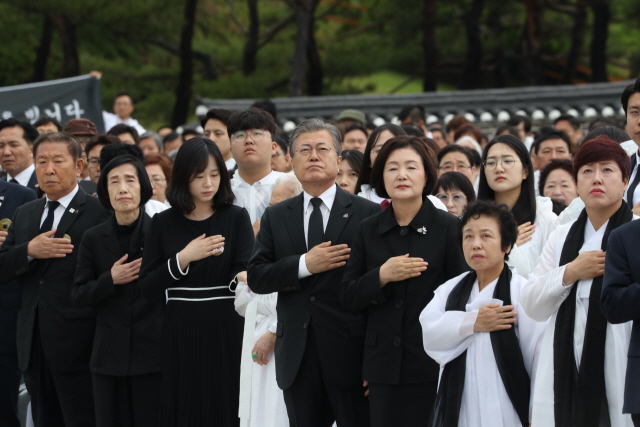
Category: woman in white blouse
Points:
column 475, row 329
column 581, row 372
column 507, row 178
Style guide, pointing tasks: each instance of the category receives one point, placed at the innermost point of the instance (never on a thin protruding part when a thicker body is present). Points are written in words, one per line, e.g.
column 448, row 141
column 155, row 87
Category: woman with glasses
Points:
column 398, row 258
column 455, row 191
column 507, row 178
column 159, row 169
column 194, row 250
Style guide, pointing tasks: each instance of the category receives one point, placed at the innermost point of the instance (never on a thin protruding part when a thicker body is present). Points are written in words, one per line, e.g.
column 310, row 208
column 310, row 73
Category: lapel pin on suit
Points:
column 422, row 230
column 345, row 215
column 1, row 197
column 71, row 210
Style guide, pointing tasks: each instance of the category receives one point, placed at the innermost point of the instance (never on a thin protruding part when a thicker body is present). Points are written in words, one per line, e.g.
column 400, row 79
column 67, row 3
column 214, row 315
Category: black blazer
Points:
column 12, row 196
column 394, row 353
column 313, row 300
column 32, row 184
column 128, row 326
column 620, row 301
column 66, row 332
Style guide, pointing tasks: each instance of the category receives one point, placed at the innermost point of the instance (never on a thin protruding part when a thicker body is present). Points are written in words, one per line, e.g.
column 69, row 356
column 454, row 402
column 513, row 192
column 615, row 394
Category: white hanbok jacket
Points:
column 447, row 334
column 541, row 298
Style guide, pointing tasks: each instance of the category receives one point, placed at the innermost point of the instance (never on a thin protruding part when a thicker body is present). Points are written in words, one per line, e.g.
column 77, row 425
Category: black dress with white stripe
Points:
column 202, row 333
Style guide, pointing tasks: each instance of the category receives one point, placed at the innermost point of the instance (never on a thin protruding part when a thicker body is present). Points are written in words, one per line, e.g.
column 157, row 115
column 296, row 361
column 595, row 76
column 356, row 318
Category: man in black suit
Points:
column 300, row 252
column 16, row 140
column 12, row 196
column 54, row 340
column 620, row 302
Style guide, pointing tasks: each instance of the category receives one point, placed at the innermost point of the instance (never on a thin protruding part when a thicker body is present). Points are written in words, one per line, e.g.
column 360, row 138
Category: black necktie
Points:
column 15, row 181
column 634, row 184
column 48, row 221
column 315, row 235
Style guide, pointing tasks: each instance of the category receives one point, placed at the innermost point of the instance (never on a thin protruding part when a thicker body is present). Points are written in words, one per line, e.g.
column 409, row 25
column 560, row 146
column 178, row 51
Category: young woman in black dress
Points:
column 193, row 251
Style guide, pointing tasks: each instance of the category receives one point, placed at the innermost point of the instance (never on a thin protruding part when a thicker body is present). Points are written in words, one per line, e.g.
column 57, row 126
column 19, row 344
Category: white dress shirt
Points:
column 328, row 198
column 24, row 176
column 636, row 192
column 110, row 120
column 254, row 198
column 64, row 204
column 230, row 164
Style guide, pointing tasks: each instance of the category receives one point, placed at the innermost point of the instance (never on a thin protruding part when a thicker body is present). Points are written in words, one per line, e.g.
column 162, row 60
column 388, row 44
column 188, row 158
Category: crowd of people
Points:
column 343, row 274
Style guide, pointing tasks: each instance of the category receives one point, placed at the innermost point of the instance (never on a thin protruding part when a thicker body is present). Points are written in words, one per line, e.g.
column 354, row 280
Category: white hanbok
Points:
column 254, row 198
column 542, row 297
column 261, row 401
column 370, row 194
column 525, row 257
column 447, row 334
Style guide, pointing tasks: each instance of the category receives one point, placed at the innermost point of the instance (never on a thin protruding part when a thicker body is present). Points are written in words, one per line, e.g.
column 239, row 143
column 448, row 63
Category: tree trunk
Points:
column 473, row 64
column 42, row 53
column 601, row 15
column 499, row 58
column 315, row 74
column 249, row 63
column 183, row 90
column 429, row 50
column 577, row 40
column 533, row 40
column 304, row 13
column 67, row 31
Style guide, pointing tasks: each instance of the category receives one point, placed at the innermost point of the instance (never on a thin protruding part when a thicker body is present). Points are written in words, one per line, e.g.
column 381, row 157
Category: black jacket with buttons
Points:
column 394, row 353
column 128, row 326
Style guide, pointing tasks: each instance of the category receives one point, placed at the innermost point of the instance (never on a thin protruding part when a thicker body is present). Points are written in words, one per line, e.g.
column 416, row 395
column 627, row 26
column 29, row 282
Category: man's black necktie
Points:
column 48, row 221
column 315, row 236
column 13, row 180
column 634, row 184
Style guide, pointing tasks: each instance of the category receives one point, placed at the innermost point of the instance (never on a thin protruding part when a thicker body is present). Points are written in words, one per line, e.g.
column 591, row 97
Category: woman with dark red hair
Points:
column 583, row 359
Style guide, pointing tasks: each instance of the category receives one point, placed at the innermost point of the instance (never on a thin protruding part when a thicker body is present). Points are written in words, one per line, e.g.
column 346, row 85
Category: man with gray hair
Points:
column 300, row 252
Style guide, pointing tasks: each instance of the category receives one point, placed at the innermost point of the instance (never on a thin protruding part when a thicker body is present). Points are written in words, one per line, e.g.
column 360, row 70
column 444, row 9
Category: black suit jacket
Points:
column 620, row 300
column 12, row 196
column 394, row 353
column 313, row 300
column 32, row 184
column 66, row 332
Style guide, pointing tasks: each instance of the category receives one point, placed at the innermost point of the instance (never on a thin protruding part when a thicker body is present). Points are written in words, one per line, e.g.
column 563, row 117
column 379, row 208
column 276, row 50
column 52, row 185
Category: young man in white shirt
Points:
column 122, row 109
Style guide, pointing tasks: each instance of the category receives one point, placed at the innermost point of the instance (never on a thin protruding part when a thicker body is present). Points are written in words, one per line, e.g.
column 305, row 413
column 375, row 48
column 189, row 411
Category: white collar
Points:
column 65, row 200
column 269, row 179
column 230, row 164
column 24, row 176
column 327, row 197
column 374, row 197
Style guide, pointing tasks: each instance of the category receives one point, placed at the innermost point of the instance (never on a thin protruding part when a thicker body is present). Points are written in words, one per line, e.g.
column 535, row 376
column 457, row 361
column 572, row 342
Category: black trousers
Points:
column 636, row 419
column 58, row 399
column 131, row 401
column 9, row 385
column 401, row 405
column 312, row 402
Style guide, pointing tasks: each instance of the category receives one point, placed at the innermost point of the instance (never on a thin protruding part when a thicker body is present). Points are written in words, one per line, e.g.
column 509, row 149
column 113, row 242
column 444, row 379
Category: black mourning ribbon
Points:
column 506, row 350
column 579, row 394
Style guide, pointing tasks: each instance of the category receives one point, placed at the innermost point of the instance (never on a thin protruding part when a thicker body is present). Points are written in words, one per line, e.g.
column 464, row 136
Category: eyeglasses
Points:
column 158, row 180
column 450, row 167
column 457, row 199
column 507, row 163
column 241, row 136
column 322, row 151
column 93, row 162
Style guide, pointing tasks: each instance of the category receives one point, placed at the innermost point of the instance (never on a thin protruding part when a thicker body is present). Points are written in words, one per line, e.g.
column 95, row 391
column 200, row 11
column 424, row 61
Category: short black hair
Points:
column 365, row 175
column 627, row 92
column 516, row 119
column 525, row 208
column 509, row 129
column 29, row 134
column 102, row 188
column 283, row 142
column 501, row 214
column 412, row 129
column 554, row 164
column 112, row 151
column 613, row 132
column 253, row 118
column 354, row 158
column 414, row 112
column 124, row 94
column 569, row 118
column 101, row 140
column 170, row 137
column 216, row 114
column 74, row 147
column 397, row 143
column 356, row 126
column 602, row 121
column 268, row 106
column 121, row 128
column 44, row 119
column 451, row 181
column 555, row 134
column 192, row 159
column 458, row 149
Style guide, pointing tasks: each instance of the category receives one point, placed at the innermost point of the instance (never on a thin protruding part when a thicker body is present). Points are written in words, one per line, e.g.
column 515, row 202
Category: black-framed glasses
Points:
column 241, row 136
column 507, row 163
column 93, row 162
